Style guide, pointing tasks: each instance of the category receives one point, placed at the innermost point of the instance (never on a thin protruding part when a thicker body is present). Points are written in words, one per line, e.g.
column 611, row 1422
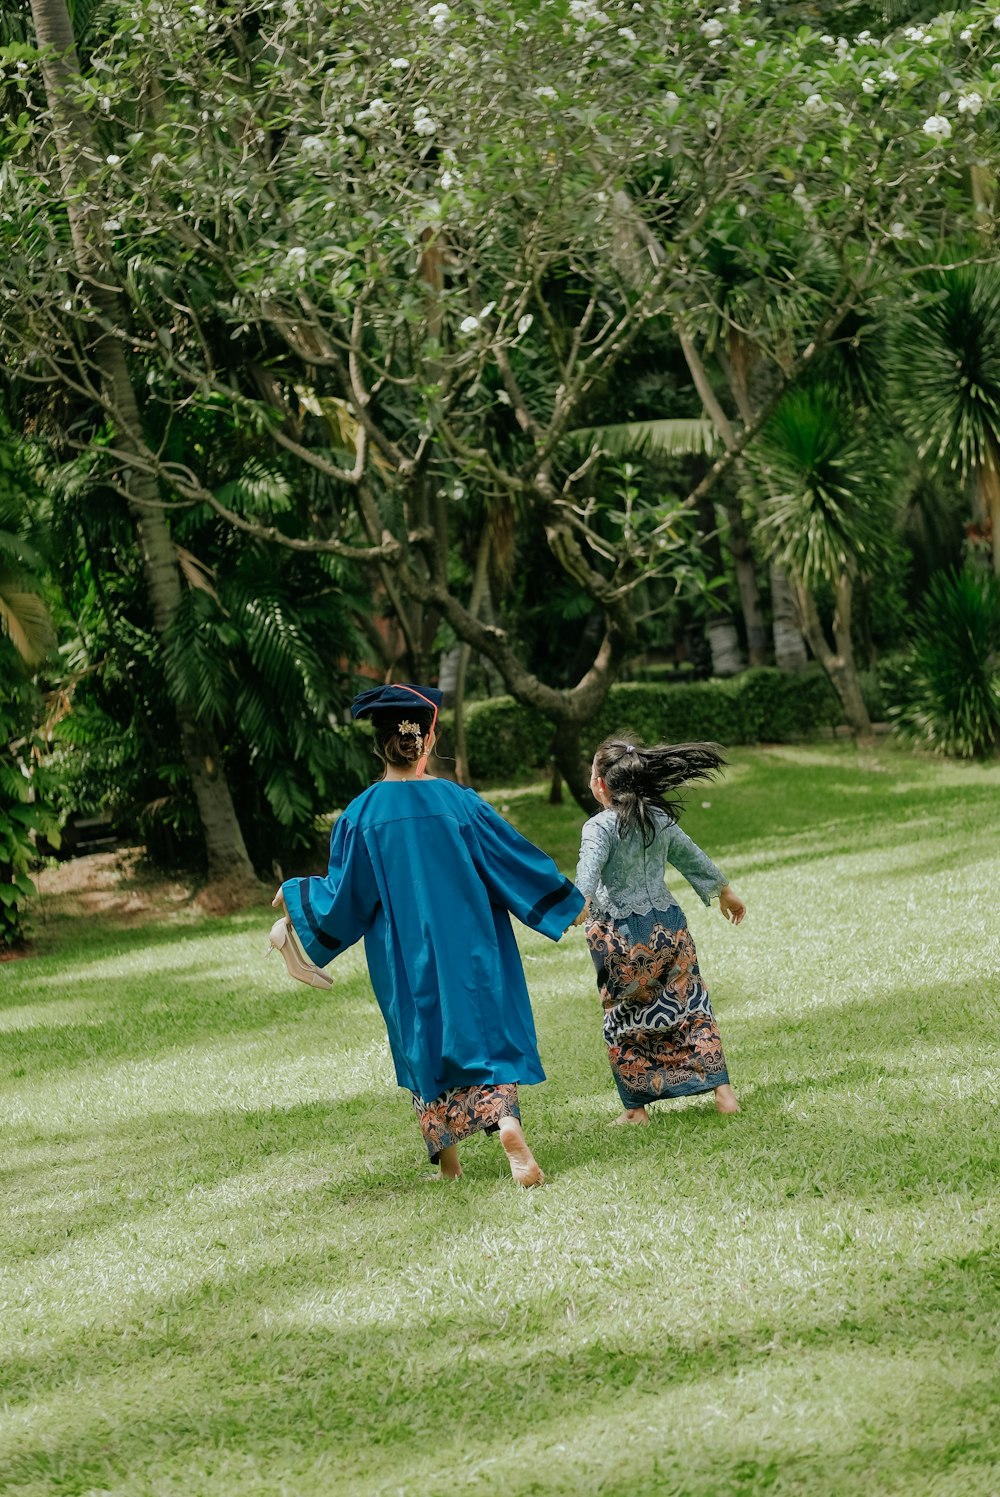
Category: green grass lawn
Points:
column 222, row 1271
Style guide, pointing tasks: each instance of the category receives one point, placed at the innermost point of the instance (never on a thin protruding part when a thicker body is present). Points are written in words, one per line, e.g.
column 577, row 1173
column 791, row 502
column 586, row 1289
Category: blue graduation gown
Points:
column 426, row 871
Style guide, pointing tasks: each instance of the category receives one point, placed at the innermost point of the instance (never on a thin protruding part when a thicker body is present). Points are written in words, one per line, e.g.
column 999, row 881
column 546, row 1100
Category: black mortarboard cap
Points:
column 398, row 696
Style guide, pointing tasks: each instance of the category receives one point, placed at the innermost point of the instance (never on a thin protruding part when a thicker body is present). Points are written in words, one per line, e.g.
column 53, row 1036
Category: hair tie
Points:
column 630, row 748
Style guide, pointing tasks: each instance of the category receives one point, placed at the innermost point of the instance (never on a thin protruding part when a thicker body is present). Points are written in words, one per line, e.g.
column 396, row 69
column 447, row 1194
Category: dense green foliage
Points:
column 24, row 811
column 224, row 1273
column 440, row 317
column 760, row 706
column 948, row 698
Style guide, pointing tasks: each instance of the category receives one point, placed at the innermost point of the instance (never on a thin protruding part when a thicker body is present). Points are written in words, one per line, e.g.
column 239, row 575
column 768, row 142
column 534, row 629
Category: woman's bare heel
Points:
column 523, row 1165
column 725, row 1099
column 448, row 1163
column 631, row 1115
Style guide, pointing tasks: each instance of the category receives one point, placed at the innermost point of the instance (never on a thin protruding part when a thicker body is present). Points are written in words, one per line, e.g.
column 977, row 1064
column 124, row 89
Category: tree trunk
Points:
column 989, row 488
column 479, row 585
column 738, row 539
column 724, row 642
column 720, row 631
column 839, row 661
column 227, row 854
column 789, row 646
column 746, row 581
column 568, row 755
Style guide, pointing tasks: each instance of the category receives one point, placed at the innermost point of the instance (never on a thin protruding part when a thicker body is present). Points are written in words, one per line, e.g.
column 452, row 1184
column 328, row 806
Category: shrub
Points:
column 761, row 705
column 949, row 697
column 675, row 713
column 504, row 738
column 21, row 817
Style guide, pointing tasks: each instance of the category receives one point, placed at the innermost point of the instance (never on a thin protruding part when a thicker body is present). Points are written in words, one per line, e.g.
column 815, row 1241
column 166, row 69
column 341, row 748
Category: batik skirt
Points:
column 659, row 1027
column 464, row 1110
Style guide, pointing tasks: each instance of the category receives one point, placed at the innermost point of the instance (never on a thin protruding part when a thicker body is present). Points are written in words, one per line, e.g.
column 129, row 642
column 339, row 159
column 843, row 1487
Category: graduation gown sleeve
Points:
column 329, row 914
column 519, row 877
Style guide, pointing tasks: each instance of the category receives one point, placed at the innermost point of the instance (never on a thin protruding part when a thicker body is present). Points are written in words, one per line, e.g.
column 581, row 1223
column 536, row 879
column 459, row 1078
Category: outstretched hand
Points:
column 732, row 905
column 580, row 918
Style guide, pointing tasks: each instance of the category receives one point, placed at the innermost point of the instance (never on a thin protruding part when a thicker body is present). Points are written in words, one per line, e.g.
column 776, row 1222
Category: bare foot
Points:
column 725, row 1099
column 634, row 1115
column 448, row 1160
column 520, row 1158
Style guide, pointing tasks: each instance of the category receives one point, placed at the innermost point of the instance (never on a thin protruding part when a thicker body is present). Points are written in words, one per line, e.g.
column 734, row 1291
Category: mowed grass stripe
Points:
column 223, row 1273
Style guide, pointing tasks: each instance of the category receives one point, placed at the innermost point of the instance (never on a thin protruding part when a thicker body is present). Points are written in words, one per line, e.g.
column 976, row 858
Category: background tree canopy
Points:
column 557, row 333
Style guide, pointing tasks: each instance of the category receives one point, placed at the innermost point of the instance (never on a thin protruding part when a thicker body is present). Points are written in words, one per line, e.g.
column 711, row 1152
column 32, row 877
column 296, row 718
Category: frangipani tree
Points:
column 419, row 213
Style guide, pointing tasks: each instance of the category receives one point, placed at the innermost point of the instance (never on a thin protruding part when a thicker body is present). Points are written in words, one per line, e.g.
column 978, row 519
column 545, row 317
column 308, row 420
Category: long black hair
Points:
column 640, row 778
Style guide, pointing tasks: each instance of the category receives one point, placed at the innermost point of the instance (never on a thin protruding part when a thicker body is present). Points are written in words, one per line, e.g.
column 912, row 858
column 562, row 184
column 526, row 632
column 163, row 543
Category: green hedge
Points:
column 760, row 706
column 764, row 705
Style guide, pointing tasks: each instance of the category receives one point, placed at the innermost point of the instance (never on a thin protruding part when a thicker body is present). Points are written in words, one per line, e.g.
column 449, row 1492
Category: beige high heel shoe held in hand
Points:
column 284, row 939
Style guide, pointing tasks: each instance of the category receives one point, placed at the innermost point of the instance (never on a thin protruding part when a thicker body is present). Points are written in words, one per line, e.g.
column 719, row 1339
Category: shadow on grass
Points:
column 250, row 1377
column 792, row 1139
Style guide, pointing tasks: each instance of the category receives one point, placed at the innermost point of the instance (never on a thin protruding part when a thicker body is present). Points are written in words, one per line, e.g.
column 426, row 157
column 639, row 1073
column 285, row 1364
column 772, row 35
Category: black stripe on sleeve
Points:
column 329, row 942
column 550, row 900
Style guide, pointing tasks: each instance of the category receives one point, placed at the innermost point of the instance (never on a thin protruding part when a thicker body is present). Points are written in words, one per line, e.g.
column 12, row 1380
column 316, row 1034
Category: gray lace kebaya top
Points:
column 621, row 877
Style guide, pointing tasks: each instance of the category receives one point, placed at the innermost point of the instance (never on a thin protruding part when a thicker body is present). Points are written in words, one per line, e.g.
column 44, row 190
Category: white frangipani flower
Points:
column 399, row 63
column 111, row 224
column 113, row 160
column 423, row 124
column 469, row 325
column 440, row 16
column 312, row 145
column 867, row 86
column 937, row 127
column 898, row 231
column 711, row 28
column 546, row 92
column 374, row 111
column 628, row 34
column 888, row 75
column 970, row 103
column 815, row 103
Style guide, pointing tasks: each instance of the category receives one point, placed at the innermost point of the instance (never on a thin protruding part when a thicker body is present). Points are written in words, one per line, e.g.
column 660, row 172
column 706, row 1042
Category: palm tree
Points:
column 227, row 854
column 946, row 381
column 819, row 479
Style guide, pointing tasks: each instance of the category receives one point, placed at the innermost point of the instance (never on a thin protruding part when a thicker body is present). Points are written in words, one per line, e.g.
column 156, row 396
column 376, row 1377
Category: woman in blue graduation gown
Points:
column 429, row 875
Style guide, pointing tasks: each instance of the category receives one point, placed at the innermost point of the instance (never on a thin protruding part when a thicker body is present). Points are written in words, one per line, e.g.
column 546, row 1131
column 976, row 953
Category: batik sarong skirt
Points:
column 464, row 1110
column 659, row 1027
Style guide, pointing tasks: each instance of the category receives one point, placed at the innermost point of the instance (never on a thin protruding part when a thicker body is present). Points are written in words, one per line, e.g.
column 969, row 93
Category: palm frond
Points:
column 946, row 355
column 820, row 485
column 25, row 620
column 667, row 437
